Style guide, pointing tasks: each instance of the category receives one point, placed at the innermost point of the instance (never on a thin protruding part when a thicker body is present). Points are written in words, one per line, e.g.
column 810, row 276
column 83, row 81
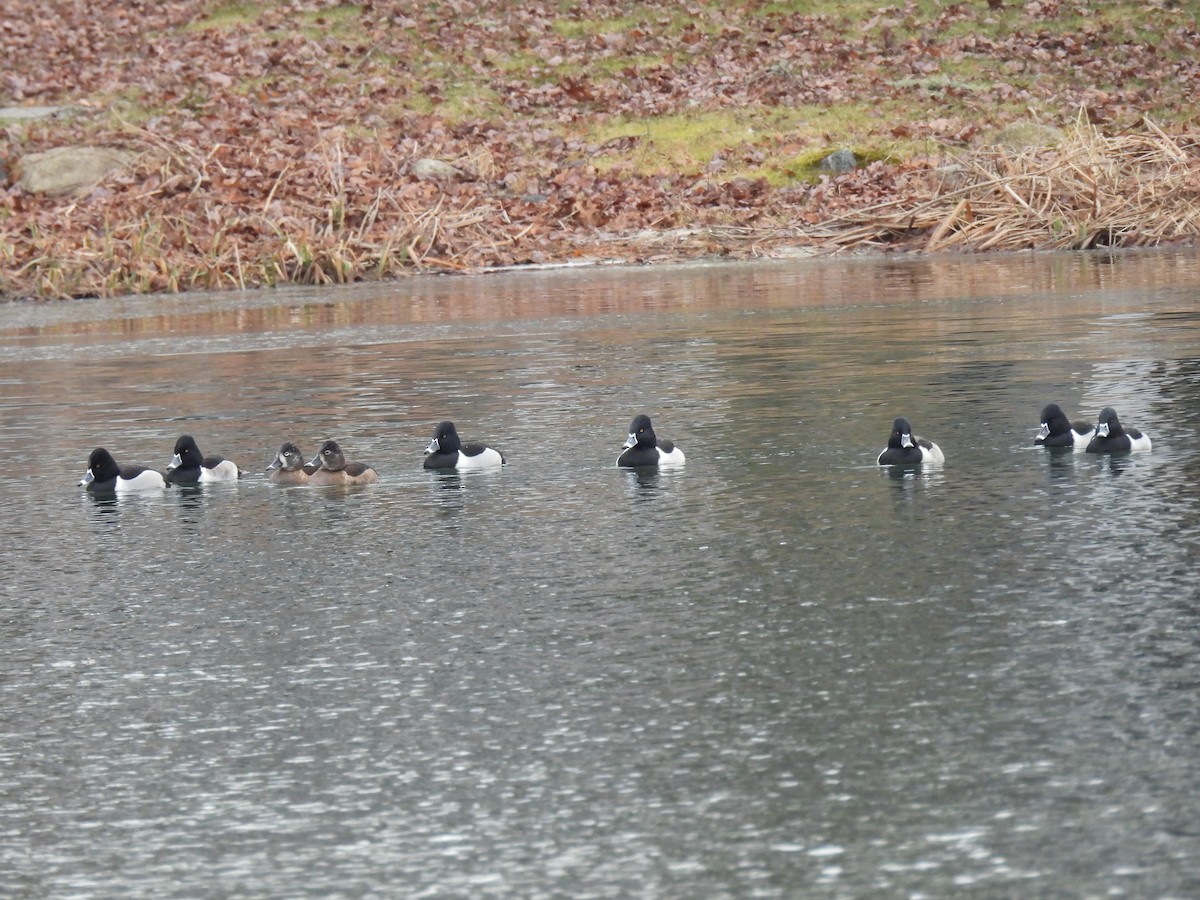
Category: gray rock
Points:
column 66, row 170
column 435, row 170
column 839, row 161
column 29, row 113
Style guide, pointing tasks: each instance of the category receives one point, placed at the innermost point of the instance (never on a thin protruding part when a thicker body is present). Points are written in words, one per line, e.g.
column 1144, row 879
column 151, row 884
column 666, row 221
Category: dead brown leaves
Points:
column 1093, row 191
column 283, row 148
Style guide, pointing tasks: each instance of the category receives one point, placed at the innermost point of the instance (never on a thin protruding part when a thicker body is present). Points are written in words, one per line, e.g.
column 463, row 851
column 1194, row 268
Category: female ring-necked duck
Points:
column 189, row 465
column 447, row 451
column 104, row 475
column 1059, row 431
column 288, row 467
column 331, row 468
column 905, row 448
column 643, row 448
column 1111, row 437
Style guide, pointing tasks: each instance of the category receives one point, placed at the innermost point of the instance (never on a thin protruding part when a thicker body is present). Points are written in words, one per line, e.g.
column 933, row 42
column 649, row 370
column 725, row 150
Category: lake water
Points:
column 780, row 671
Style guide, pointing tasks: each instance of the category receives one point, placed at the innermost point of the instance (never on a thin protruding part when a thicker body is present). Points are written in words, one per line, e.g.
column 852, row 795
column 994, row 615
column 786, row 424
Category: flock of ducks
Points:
column 1108, row 435
column 641, row 449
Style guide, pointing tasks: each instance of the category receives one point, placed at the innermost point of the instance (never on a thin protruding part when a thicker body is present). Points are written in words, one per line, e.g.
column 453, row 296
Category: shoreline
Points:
column 1093, row 191
column 526, row 293
column 247, row 146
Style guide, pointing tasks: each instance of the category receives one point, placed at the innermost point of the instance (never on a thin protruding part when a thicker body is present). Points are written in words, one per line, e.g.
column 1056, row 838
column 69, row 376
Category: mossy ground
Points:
column 277, row 139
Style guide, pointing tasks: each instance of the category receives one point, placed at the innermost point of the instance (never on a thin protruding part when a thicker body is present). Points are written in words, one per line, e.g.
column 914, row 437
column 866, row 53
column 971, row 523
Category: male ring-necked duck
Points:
column 1059, row 431
column 189, row 465
column 643, row 448
column 288, row 467
column 905, row 448
column 332, row 468
column 1111, row 437
column 447, row 451
column 104, row 475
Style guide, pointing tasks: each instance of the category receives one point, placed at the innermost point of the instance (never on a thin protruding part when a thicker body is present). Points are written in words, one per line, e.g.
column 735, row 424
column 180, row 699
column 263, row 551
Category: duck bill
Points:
column 629, row 441
column 1043, row 432
column 87, row 479
column 1102, row 430
column 906, row 441
column 433, row 447
column 175, row 462
column 315, row 462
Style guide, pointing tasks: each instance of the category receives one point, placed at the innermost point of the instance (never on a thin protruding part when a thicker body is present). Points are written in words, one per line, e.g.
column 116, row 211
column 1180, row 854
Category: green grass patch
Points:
column 228, row 15
column 617, row 65
column 805, row 167
column 944, row 82
column 578, row 29
column 453, row 103
column 749, row 142
column 1142, row 21
column 132, row 105
column 673, row 143
column 651, row 19
column 519, row 61
column 337, row 21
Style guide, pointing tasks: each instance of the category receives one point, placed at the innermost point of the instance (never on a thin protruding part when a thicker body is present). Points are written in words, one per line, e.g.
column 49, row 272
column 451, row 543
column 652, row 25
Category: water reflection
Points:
column 445, row 492
column 1061, row 462
column 105, row 505
column 447, row 480
column 286, row 314
column 648, row 483
column 781, row 669
column 189, row 497
column 909, row 478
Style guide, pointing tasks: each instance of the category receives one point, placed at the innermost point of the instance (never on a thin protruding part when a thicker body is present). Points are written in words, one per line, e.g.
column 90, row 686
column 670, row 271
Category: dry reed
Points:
column 1094, row 190
column 189, row 228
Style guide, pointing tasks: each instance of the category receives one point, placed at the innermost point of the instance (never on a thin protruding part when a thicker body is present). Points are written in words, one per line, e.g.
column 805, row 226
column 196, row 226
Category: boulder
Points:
column 839, row 161
column 426, row 169
column 32, row 113
column 69, row 170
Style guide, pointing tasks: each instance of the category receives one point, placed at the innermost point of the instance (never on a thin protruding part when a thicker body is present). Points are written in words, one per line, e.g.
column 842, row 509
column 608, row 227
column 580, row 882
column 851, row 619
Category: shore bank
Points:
column 337, row 143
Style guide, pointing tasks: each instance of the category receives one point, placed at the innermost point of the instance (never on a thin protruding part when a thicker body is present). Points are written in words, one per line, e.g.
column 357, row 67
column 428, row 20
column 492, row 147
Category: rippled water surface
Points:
column 778, row 672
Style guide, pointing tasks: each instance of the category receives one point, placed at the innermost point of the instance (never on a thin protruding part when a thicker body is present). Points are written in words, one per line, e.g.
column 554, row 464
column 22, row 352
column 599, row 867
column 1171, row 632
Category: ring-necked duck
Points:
column 104, row 475
column 1111, row 437
column 288, row 467
column 189, row 465
column 331, row 468
column 1059, row 431
column 642, row 448
column 905, row 448
column 447, row 451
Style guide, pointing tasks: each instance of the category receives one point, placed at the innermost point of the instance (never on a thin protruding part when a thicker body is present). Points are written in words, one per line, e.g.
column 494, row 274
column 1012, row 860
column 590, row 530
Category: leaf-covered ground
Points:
column 280, row 141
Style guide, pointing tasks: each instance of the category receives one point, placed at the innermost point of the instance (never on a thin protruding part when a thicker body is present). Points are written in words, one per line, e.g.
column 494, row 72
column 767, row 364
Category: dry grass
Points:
column 1094, row 190
column 1131, row 190
column 325, row 233
column 278, row 141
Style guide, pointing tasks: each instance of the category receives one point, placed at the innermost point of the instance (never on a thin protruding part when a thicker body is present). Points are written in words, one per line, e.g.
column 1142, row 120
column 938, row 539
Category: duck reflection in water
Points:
column 647, row 483
column 909, row 479
column 107, row 506
column 190, row 497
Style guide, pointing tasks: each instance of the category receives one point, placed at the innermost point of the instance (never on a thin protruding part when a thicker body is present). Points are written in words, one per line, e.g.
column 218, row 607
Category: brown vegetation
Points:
column 280, row 142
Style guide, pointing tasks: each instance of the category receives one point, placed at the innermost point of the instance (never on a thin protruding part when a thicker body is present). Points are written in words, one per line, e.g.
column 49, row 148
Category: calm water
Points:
column 779, row 672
